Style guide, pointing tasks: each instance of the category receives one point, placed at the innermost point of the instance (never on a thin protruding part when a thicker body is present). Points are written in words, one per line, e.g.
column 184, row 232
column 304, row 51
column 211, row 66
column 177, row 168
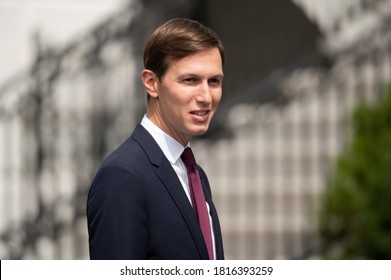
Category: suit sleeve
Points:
column 117, row 216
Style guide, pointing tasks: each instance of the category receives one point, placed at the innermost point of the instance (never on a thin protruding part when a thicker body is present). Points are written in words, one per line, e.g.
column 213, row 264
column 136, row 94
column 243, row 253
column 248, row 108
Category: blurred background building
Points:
column 295, row 70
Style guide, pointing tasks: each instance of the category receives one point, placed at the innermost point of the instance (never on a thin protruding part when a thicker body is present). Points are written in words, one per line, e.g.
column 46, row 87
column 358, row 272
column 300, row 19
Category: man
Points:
column 144, row 202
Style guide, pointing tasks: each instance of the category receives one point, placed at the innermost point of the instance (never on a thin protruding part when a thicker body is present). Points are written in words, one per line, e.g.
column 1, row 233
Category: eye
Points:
column 215, row 82
column 190, row 80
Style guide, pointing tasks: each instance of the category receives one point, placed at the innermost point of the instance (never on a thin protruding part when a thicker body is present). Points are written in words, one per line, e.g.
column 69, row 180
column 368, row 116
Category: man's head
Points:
column 176, row 39
column 183, row 77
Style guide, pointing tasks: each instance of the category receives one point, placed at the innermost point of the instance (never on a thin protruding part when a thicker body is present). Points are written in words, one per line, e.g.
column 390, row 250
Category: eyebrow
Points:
column 181, row 76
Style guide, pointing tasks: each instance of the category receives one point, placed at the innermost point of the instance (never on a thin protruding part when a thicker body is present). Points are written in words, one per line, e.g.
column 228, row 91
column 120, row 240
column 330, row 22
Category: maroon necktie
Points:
column 198, row 198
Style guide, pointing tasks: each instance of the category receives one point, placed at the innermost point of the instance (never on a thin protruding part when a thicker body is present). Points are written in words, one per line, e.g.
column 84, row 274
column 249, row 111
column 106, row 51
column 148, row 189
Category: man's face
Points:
column 187, row 95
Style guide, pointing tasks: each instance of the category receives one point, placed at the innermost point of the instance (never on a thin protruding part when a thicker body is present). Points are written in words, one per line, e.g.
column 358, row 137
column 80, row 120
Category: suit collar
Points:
column 148, row 144
column 171, row 148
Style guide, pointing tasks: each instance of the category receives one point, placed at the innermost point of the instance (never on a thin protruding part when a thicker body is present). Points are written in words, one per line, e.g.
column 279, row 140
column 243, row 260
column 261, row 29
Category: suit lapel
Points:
column 215, row 218
column 217, row 232
column 170, row 180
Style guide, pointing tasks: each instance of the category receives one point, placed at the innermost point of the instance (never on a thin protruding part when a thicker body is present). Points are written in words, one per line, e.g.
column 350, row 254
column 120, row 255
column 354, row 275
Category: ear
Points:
column 150, row 81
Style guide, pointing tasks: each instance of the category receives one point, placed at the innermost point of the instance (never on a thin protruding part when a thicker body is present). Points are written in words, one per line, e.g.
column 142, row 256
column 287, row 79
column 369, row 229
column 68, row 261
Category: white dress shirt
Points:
column 173, row 150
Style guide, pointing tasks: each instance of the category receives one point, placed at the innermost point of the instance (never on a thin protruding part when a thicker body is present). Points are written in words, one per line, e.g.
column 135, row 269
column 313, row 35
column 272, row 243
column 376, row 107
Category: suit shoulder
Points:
column 125, row 168
column 126, row 155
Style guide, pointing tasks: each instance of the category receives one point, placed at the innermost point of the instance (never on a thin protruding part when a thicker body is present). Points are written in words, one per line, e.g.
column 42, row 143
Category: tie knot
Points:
column 188, row 157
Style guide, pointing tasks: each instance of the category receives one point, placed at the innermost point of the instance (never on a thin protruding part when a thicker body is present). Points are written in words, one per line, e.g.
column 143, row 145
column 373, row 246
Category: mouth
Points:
column 200, row 115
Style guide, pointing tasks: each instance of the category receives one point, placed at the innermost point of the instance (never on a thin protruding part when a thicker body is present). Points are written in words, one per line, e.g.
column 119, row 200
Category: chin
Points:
column 199, row 131
column 197, row 128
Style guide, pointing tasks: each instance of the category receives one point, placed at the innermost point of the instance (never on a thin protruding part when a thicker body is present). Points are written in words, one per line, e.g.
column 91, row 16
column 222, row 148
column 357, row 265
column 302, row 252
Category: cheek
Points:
column 175, row 106
column 176, row 96
column 169, row 99
column 216, row 98
column 172, row 101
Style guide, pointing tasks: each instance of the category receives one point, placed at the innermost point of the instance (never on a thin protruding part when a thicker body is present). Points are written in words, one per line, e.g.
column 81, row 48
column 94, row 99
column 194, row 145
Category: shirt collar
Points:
column 171, row 148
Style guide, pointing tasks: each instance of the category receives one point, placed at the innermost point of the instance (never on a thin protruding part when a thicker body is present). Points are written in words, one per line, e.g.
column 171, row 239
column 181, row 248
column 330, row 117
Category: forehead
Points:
column 204, row 62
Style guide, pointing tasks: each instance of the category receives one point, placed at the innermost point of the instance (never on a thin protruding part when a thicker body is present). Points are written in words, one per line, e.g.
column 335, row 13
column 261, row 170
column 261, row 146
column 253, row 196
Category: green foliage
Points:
column 355, row 221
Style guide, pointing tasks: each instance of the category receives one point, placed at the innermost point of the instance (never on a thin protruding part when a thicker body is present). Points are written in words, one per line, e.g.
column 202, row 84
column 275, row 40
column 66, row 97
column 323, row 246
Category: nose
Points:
column 204, row 94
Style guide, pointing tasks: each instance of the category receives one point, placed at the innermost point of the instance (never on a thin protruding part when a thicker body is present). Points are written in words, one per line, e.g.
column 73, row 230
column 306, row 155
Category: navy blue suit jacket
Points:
column 137, row 208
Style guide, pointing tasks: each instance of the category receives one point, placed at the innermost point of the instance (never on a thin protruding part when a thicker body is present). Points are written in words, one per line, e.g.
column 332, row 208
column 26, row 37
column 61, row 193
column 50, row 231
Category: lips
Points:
column 200, row 113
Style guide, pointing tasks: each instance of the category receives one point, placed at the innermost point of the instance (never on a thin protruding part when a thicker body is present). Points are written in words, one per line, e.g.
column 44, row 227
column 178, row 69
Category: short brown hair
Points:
column 178, row 38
